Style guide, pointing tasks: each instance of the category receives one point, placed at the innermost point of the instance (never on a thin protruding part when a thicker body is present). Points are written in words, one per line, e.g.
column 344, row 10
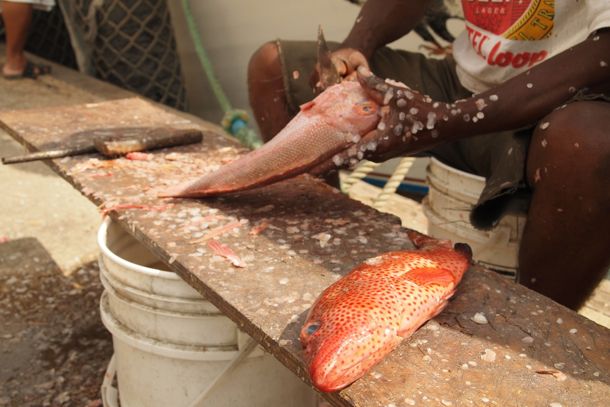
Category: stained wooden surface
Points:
column 299, row 236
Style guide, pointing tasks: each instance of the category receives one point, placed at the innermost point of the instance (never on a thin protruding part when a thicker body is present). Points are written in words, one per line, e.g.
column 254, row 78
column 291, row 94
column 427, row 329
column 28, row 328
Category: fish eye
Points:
column 366, row 107
column 312, row 328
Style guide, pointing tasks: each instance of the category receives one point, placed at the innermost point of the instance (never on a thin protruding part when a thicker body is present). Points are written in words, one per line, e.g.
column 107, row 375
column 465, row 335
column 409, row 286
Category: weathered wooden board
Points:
column 299, row 236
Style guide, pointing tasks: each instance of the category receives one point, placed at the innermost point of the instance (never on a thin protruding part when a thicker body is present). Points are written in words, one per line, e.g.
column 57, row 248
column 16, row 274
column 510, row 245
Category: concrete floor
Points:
column 36, row 202
column 42, row 205
column 54, row 350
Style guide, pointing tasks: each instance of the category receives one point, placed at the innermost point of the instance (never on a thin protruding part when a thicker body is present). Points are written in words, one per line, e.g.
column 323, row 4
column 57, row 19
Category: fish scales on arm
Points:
column 365, row 315
column 330, row 123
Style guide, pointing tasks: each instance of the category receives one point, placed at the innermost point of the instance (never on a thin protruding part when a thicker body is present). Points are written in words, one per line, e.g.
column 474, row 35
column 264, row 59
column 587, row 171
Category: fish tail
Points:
column 420, row 240
column 464, row 249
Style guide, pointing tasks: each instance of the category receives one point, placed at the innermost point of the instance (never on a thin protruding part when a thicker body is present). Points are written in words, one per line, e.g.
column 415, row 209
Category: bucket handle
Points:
column 242, row 353
column 110, row 395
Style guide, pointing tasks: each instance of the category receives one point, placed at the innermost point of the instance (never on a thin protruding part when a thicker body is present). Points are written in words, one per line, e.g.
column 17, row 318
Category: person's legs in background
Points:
column 267, row 91
column 17, row 18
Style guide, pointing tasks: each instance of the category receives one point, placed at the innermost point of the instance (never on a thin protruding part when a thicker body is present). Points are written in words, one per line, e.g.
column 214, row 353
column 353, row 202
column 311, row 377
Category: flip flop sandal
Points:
column 31, row 70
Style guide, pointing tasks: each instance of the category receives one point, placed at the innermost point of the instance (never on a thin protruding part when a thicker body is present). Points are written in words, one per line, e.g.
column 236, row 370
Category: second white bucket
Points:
column 447, row 206
column 173, row 348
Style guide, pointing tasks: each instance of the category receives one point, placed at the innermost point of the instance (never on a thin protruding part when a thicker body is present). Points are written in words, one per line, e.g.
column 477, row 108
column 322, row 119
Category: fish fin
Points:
column 405, row 332
column 441, row 306
column 410, row 326
column 420, row 240
column 307, row 105
column 431, row 276
column 226, row 252
column 465, row 250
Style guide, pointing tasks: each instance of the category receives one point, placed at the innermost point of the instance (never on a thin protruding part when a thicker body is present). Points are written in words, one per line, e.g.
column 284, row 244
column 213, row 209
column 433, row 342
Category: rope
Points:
column 363, row 169
column 392, row 185
column 91, row 21
column 234, row 121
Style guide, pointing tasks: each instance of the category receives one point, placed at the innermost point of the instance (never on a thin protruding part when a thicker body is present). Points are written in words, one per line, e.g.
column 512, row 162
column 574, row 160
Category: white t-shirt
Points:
column 506, row 37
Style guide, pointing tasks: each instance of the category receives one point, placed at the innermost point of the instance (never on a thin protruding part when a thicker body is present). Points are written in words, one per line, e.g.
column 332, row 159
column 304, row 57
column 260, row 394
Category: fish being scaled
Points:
column 332, row 122
column 365, row 315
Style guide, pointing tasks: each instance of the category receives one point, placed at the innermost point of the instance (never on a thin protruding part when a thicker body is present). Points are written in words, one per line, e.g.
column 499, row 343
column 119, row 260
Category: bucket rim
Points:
column 105, row 274
column 449, row 168
column 102, row 233
column 161, row 348
column 147, row 308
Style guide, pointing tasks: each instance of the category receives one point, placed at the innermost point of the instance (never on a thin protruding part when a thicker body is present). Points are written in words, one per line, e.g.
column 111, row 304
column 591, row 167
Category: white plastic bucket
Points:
column 170, row 345
column 447, row 206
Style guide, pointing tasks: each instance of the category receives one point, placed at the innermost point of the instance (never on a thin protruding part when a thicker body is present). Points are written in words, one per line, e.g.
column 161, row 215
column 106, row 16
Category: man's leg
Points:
column 17, row 18
column 565, row 250
column 267, row 92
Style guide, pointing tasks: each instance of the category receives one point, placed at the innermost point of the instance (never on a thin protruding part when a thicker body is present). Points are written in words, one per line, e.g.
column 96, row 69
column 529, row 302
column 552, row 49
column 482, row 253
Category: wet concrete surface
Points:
column 53, row 348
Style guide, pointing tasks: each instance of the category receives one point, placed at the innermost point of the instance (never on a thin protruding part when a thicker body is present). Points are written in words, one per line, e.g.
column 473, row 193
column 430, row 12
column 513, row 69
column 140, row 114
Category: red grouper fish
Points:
column 365, row 315
column 332, row 122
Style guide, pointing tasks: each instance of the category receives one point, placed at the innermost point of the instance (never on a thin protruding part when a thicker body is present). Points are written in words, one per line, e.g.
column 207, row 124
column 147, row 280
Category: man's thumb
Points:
column 373, row 85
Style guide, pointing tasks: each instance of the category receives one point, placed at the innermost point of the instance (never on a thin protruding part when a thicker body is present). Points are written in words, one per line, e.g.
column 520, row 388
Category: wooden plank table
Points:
column 299, row 236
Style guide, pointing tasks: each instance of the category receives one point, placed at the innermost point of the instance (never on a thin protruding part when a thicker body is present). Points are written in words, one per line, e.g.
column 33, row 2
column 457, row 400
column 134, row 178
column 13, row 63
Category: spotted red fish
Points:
column 362, row 317
column 332, row 122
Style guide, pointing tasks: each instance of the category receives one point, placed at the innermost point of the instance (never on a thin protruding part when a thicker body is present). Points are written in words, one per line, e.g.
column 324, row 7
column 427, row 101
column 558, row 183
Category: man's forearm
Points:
column 412, row 122
column 530, row 96
column 383, row 21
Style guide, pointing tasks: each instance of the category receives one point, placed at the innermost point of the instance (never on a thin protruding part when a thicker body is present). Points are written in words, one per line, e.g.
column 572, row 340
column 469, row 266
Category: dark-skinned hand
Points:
column 410, row 122
column 346, row 61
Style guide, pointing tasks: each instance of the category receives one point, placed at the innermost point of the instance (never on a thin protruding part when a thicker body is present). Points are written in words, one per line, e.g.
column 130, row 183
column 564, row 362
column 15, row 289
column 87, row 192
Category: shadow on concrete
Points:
column 54, row 347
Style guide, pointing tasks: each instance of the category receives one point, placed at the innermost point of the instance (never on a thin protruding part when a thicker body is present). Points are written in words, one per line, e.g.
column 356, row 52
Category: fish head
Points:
column 341, row 345
column 346, row 107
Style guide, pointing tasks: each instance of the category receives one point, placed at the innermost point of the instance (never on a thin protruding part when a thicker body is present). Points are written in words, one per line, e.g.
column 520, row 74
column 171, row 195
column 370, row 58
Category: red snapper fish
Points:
column 332, row 122
column 365, row 315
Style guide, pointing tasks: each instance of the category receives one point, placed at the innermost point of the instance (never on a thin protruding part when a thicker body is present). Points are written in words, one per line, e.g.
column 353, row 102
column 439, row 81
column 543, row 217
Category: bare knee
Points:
column 571, row 142
column 568, row 168
column 265, row 64
column 267, row 91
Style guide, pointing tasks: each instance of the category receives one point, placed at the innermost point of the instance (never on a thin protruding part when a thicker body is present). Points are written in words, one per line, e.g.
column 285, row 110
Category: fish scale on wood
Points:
column 362, row 317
